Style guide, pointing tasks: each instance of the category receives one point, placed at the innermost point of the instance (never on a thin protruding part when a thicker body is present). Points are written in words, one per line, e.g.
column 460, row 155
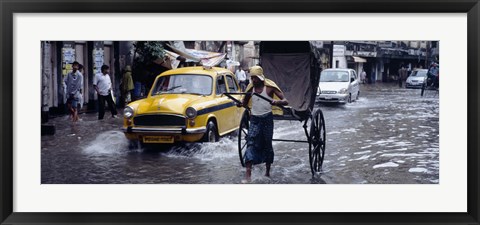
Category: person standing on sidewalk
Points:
column 74, row 84
column 127, row 85
column 103, row 85
column 242, row 78
column 363, row 77
column 402, row 75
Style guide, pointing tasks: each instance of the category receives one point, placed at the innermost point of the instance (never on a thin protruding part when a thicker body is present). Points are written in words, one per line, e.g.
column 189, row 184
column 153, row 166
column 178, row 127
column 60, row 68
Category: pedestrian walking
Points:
column 402, row 75
column 433, row 74
column 363, row 77
column 103, row 85
column 127, row 86
column 260, row 133
column 74, row 84
column 242, row 78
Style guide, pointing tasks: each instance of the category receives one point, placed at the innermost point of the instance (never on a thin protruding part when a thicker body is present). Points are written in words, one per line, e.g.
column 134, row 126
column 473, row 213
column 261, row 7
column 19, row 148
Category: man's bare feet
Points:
column 267, row 171
column 246, row 181
column 248, row 173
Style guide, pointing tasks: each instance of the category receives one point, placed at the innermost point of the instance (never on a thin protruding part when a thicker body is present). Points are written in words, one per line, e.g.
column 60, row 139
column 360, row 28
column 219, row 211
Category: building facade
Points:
column 381, row 60
column 57, row 60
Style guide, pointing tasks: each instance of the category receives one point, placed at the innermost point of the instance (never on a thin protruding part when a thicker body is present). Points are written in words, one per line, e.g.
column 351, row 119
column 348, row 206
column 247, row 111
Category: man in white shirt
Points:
column 242, row 78
column 103, row 86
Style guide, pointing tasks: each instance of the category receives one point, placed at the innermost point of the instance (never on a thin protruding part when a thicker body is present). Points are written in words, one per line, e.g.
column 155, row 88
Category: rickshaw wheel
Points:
column 242, row 136
column 316, row 150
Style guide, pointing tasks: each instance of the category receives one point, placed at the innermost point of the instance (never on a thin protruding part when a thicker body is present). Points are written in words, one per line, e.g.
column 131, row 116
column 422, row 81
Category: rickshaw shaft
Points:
column 285, row 140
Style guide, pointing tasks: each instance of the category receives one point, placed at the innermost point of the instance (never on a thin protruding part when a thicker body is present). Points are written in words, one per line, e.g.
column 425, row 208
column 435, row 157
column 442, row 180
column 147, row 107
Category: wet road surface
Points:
column 388, row 136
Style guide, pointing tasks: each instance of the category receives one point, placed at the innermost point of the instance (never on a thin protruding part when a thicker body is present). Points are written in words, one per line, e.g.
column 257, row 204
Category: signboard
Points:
column 361, row 53
column 98, row 53
column 68, row 57
column 387, row 44
column 365, row 54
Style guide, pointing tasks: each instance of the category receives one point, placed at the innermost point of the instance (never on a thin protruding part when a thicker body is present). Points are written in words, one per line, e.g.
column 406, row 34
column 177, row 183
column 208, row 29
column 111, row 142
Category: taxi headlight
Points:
column 342, row 91
column 191, row 112
column 128, row 112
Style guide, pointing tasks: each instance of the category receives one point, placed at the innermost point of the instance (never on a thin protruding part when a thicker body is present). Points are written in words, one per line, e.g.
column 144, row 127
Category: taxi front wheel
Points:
column 134, row 144
column 211, row 135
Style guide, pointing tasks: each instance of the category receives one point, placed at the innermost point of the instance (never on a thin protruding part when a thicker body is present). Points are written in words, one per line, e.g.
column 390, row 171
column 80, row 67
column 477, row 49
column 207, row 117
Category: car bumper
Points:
column 341, row 98
column 176, row 134
column 417, row 84
column 165, row 130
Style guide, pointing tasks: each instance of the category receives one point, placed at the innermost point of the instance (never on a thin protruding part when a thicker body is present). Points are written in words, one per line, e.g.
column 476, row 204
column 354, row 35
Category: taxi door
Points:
column 224, row 112
column 237, row 112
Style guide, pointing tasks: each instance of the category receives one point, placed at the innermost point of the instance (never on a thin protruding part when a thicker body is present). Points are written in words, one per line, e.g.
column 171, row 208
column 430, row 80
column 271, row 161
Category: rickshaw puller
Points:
column 260, row 133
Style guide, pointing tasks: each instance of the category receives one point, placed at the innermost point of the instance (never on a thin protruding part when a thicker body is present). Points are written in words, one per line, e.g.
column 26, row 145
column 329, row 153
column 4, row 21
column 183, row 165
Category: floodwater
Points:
column 388, row 136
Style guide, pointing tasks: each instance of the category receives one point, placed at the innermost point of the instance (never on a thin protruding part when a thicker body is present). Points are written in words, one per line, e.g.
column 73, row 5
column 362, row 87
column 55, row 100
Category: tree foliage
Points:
column 148, row 51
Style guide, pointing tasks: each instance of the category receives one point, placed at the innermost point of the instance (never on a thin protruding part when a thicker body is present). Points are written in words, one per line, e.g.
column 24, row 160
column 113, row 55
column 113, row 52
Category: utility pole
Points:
column 331, row 54
column 426, row 53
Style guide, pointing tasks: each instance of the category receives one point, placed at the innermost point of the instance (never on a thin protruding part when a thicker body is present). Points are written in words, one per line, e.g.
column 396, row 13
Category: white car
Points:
column 416, row 78
column 338, row 85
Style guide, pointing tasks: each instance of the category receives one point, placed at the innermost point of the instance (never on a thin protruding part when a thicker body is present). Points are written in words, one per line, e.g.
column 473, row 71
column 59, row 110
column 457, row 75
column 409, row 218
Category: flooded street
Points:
column 388, row 136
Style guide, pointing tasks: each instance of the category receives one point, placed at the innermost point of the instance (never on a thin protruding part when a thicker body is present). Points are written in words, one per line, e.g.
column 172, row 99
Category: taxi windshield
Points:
column 183, row 84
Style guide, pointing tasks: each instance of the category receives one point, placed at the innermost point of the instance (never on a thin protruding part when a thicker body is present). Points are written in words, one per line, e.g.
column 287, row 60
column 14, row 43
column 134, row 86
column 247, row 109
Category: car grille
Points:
column 159, row 120
column 329, row 92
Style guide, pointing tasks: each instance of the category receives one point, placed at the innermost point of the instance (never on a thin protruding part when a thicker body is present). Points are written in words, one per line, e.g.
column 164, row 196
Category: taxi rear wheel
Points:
column 211, row 135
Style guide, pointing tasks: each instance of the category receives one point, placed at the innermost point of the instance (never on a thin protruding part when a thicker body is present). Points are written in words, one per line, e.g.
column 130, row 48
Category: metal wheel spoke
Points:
column 244, row 131
column 243, row 146
column 316, row 149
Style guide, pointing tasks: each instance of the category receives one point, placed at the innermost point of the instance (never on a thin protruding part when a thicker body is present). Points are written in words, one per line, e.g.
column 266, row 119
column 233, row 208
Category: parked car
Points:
column 185, row 104
column 416, row 78
column 338, row 85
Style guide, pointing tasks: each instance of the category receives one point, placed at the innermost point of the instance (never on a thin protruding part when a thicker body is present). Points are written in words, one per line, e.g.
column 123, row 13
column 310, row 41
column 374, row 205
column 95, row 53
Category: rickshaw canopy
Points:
column 294, row 67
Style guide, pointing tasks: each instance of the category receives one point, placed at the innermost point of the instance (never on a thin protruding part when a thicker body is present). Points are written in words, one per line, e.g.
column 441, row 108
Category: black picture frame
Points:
column 10, row 7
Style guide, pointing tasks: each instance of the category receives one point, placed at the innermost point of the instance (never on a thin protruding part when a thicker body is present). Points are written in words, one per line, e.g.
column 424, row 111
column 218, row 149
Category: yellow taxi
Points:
column 185, row 105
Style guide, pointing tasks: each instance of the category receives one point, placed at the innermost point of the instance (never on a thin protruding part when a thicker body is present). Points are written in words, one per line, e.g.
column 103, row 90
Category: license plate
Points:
column 158, row 139
column 328, row 97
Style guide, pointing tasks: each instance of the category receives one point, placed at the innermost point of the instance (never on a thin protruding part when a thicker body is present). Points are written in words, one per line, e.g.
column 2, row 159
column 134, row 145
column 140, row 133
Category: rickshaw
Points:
column 294, row 66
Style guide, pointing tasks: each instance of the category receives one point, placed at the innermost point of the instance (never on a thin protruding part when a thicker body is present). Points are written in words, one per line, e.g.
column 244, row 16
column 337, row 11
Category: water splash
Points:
column 107, row 143
column 224, row 149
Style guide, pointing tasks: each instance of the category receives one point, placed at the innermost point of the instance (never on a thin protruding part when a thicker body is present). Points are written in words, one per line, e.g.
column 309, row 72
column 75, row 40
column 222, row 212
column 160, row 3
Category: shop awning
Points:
column 203, row 57
column 191, row 55
column 169, row 61
column 359, row 59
